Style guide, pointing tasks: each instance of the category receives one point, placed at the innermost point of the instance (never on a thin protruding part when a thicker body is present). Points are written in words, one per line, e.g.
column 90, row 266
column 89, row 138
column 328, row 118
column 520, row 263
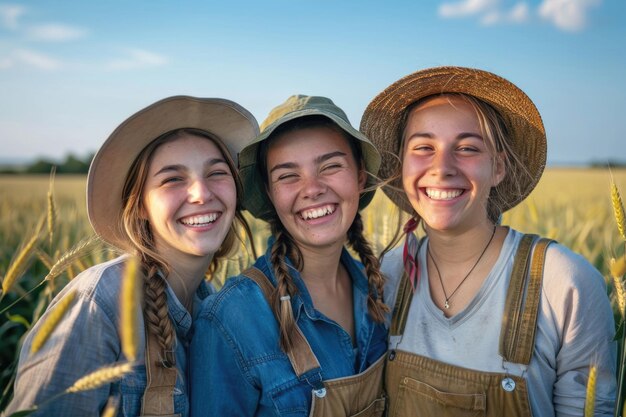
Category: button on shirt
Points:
column 238, row 366
column 88, row 339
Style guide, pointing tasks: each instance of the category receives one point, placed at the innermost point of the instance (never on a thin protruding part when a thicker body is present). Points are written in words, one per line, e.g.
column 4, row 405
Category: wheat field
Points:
column 572, row 206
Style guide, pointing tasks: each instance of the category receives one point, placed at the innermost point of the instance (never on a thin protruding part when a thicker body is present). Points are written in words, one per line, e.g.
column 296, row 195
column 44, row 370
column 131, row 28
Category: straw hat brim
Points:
column 223, row 119
column 256, row 200
column 383, row 116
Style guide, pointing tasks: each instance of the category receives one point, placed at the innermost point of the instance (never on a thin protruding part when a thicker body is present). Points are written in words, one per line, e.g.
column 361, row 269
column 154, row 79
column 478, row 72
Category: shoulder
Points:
column 565, row 268
column 98, row 285
column 239, row 295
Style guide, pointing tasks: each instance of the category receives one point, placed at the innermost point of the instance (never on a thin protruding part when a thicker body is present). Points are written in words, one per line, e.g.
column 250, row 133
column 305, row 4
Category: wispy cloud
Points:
column 466, row 8
column 136, row 59
column 520, row 13
column 30, row 58
column 569, row 15
column 54, row 32
column 10, row 14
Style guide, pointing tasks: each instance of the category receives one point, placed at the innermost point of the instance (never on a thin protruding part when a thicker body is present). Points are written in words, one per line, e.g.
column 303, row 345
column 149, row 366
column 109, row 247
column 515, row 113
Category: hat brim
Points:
column 381, row 122
column 255, row 198
column 223, row 119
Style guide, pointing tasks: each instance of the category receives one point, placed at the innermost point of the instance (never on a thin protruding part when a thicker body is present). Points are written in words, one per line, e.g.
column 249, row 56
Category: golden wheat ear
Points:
column 590, row 399
column 72, row 255
column 130, row 302
column 20, row 262
column 100, row 377
column 50, row 323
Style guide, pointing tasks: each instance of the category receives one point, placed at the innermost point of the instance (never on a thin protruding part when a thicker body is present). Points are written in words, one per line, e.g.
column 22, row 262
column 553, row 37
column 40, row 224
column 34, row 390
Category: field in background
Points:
column 572, row 206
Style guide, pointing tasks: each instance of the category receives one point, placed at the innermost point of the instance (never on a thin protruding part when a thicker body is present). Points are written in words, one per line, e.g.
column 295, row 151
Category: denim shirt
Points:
column 86, row 339
column 238, row 367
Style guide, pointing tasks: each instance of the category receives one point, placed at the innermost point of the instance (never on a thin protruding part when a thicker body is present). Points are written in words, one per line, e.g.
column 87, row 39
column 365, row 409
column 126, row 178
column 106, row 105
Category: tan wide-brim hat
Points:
column 223, row 119
column 255, row 198
column 382, row 120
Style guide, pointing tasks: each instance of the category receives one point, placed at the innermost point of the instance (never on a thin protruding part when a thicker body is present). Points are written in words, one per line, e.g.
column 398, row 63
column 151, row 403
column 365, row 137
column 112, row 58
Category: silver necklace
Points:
column 448, row 297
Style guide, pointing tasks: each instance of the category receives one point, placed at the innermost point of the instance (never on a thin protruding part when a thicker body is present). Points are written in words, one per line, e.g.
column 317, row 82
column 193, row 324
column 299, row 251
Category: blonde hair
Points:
column 285, row 247
column 137, row 228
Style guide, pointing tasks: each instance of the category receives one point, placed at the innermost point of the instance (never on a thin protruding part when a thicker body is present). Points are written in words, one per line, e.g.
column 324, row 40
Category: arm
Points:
column 85, row 340
column 220, row 385
column 577, row 295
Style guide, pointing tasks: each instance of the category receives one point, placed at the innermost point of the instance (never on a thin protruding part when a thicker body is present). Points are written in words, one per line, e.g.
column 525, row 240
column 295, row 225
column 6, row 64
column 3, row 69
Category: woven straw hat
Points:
column 223, row 119
column 383, row 116
column 255, row 199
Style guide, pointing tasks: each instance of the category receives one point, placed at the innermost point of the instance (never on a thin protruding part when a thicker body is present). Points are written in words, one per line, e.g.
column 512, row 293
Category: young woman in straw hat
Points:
column 163, row 187
column 487, row 321
column 292, row 332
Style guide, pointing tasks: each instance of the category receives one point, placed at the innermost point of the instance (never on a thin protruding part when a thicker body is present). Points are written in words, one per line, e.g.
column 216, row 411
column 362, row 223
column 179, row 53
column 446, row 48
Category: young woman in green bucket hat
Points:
column 302, row 332
column 487, row 321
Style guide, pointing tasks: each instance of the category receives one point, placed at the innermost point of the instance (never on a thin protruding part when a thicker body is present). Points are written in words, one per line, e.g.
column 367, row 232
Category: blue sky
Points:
column 71, row 71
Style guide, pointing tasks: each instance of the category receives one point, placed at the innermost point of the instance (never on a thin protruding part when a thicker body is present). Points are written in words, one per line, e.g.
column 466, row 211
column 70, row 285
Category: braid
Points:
column 284, row 287
column 375, row 279
column 156, row 313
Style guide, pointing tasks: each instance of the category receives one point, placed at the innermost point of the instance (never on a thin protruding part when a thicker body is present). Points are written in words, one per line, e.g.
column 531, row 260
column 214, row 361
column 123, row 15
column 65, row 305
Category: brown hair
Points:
column 285, row 247
column 154, row 266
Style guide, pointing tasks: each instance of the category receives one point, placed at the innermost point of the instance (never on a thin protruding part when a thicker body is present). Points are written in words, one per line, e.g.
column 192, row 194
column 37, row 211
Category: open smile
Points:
column 439, row 194
column 317, row 212
column 200, row 220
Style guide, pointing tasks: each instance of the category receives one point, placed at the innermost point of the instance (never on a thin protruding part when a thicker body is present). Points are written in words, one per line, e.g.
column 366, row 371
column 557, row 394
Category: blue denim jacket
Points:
column 87, row 339
column 238, row 367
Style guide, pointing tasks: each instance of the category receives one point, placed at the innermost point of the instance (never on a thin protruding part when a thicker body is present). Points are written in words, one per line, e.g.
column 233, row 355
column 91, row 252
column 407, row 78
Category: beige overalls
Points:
column 357, row 395
column 420, row 386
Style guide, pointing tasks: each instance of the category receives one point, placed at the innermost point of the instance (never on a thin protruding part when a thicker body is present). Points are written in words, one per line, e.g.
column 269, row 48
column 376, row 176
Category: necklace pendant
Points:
column 446, row 305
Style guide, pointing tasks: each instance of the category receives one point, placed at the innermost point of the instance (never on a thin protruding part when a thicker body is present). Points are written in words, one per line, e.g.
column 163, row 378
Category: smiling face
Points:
column 447, row 168
column 314, row 184
column 189, row 198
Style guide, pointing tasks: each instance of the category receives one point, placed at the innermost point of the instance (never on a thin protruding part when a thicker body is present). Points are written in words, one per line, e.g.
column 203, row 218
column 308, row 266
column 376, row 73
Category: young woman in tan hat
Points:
column 487, row 321
column 163, row 187
column 287, row 337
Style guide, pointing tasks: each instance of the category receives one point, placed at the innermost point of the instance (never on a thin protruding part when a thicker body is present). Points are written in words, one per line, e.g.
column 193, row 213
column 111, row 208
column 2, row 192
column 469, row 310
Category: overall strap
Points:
column 401, row 307
column 158, row 398
column 519, row 321
column 301, row 356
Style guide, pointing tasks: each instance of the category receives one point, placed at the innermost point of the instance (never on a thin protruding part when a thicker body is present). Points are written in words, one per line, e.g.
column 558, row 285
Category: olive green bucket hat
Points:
column 255, row 199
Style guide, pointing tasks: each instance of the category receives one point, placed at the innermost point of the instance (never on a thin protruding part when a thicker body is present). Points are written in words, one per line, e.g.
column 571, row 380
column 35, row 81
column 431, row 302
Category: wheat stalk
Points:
column 70, row 256
column 590, row 399
column 100, row 377
column 52, row 213
column 111, row 408
column 17, row 267
column 50, row 323
column 130, row 300
column 618, row 210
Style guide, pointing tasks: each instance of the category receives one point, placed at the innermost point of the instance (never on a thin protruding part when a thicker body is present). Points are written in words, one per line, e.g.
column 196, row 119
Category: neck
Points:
column 459, row 247
column 321, row 266
column 185, row 277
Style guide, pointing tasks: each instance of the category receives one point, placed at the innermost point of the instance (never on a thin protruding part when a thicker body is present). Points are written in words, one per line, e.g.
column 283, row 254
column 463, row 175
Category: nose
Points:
column 313, row 187
column 199, row 192
column 444, row 164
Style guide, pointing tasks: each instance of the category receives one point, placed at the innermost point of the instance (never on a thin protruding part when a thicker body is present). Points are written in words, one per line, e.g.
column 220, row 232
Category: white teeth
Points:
column 317, row 212
column 443, row 194
column 199, row 220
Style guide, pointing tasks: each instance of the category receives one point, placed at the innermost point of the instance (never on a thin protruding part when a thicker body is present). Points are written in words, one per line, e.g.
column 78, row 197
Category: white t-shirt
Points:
column 575, row 328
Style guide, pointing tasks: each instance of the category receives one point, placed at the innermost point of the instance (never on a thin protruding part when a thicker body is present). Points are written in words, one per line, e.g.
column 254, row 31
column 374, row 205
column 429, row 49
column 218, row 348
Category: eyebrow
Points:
column 318, row 160
column 181, row 167
column 460, row 136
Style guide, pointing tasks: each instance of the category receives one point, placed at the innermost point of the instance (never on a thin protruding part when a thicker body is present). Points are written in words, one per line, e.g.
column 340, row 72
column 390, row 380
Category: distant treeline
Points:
column 70, row 165
column 75, row 165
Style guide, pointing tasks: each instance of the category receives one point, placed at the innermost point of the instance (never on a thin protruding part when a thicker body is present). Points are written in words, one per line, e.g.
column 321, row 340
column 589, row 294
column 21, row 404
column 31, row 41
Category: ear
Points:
column 362, row 178
column 499, row 171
